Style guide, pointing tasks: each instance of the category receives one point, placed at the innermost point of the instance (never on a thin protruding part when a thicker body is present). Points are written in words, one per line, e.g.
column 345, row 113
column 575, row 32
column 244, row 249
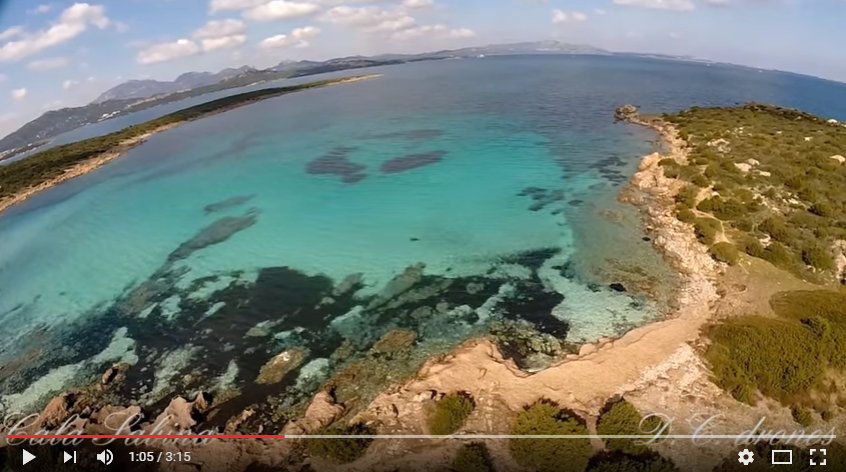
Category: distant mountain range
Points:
column 187, row 81
column 136, row 95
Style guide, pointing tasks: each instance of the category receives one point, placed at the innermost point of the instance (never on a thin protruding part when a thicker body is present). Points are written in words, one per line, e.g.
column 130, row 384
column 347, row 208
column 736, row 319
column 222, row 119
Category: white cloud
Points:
column 398, row 24
column 461, row 33
column 433, row 31
column 305, row 32
column 224, row 42
column 677, row 5
column 560, row 16
column 599, row 11
column 48, row 63
column 280, row 10
column 167, row 51
column 2, row 77
column 39, row 10
column 222, row 5
column 277, row 41
column 296, row 39
column 220, row 28
column 417, row 3
column 11, row 32
column 222, row 34
column 121, row 27
column 19, row 94
column 359, row 16
column 73, row 21
column 69, row 84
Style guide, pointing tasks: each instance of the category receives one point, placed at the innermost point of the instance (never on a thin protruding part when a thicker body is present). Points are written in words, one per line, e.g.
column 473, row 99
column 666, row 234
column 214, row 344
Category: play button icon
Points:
column 27, row 456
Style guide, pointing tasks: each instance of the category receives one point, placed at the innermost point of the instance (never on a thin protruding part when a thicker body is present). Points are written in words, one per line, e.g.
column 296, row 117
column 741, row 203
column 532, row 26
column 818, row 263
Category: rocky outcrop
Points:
column 626, row 113
column 181, row 414
column 321, row 412
column 278, row 367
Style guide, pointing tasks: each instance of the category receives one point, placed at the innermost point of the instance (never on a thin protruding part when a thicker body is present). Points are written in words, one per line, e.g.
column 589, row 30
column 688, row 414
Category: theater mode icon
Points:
column 781, row 457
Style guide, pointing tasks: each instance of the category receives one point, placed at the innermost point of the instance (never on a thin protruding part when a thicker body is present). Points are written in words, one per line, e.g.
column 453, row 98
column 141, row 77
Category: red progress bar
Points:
column 145, row 436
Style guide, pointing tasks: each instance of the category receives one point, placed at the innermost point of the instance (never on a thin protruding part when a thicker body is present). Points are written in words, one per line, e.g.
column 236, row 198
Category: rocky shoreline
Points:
column 657, row 353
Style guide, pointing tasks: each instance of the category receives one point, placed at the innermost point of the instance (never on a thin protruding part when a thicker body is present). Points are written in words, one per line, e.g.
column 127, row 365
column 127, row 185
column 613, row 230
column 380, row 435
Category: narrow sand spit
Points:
column 102, row 159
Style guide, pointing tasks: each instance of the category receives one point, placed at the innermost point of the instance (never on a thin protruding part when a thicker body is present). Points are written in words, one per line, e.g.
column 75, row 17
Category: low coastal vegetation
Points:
column 765, row 179
column 617, row 418
column 622, row 418
column 340, row 450
column 44, row 166
column 795, row 357
column 550, row 455
column 472, row 458
column 449, row 413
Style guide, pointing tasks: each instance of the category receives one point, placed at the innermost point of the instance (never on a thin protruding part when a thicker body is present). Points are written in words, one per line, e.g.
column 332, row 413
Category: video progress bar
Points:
column 420, row 436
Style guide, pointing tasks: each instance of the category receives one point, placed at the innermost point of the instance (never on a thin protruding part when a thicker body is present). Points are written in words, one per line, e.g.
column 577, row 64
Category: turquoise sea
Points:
column 440, row 197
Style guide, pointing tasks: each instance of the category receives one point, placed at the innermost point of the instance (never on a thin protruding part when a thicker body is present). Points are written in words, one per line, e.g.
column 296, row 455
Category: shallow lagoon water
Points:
column 462, row 192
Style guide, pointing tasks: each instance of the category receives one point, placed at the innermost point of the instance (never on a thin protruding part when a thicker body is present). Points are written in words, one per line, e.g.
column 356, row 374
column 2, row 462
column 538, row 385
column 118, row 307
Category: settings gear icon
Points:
column 745, row 457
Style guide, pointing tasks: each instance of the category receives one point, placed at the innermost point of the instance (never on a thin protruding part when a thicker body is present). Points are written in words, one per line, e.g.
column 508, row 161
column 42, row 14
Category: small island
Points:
column 21, row 179
column 746, row 203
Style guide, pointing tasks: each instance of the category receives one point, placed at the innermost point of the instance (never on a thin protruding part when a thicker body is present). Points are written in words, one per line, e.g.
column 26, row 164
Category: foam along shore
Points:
column 43, row 170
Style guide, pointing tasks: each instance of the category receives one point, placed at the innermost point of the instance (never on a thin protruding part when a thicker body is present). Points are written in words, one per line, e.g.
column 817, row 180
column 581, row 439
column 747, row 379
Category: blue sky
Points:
column 64, row 53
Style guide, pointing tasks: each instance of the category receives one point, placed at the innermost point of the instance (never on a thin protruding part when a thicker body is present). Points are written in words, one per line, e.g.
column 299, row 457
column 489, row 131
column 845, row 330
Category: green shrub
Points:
column 817, row 257
column 750, row 245
column 776, row 227
column 616, row 462
column 549, row 455
column 687, row 196
column 801, row 304
column 686, row 215
column 779, row 255
column 779, row 357
column 671, row 172
column 724, row 209
column 822, row 209
column 802, row 416
column 744, row 224
column 783, row 357
column 725, row 252
column 472, row 458
column 622, row 418
column 667, row 162
column 701, row 181
column 340, row 450
column 450, row 413
column 706, row 230
column 827, row 415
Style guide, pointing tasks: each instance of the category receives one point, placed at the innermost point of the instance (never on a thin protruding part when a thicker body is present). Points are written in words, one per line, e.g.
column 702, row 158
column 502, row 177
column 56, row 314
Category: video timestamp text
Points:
column 157, row 457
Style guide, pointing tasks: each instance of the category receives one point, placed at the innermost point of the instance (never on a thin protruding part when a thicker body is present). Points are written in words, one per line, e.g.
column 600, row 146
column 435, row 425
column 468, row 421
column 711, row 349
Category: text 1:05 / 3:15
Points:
column 153, row 457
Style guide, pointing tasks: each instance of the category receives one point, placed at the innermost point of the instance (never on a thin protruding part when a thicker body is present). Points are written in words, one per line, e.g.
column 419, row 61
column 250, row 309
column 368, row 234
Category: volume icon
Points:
column 105, row 457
